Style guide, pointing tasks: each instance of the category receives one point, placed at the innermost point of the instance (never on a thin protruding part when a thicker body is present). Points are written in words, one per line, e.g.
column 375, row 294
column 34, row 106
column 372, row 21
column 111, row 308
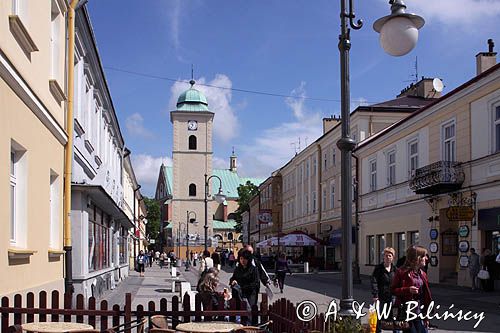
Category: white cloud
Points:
column 146, row 169
column 460, row 14
column 219, row 101
column 220, row 163
column 135, row 126
column 274, row 147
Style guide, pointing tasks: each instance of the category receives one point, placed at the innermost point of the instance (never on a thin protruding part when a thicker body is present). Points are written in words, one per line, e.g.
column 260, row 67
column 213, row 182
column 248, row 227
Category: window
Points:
column 301, row 173
column 324, row 198
column 18, row 195
column 371, row 250
column 381, row 247
column 13, row 203
column 325, row 160
column 55, row 217
column 373, row 175
column 192, row 142
column 333, row 156
column 497, row 128
column 55, row 40
column 414, row 238
column 98, row 239
column 307, row 169
column 391, row 167
column 192, row 190
column 314, row 166
column 412, row 157
column 314, row 201
column 448, row 134
column 122, row 244
column 401, row 244
column 332, row 195
column 307, row 204
column 20, row 8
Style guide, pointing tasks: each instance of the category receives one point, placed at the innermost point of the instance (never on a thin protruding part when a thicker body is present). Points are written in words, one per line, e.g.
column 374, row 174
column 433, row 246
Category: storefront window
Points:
column 371, row 250
column 98, row 239
column 414, row 238
column 401, row 241
column 381, row 247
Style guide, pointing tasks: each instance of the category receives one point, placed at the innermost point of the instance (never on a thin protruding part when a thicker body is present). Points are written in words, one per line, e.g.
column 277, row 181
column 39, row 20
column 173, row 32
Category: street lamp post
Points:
column 188, row 213
column 398, row 36
column 219, row 198
column 135, row 222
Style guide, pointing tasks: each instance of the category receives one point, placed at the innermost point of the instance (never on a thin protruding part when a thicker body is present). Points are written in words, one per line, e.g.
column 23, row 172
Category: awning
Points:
column 104, row 201
column 336, row 237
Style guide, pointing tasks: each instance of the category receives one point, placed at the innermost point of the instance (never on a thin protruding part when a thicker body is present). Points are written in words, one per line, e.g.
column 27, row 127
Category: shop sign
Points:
column 463, row 246
column 463, row 231
column 433, row 234
column 265, row 216
column 460, row 213
column 433, row 247
column 464, row 261
column 434, row 261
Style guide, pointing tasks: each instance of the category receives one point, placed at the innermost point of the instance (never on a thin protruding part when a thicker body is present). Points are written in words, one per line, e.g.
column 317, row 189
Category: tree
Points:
column 245, row 193
column 153, row 226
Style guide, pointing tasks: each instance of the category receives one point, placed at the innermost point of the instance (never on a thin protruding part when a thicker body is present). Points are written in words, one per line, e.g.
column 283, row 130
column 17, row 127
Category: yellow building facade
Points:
column 32, row 138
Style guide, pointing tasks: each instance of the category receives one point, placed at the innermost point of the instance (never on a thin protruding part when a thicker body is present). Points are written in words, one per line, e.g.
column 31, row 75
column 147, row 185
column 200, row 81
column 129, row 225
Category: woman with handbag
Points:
column 410, row 283
column 381, row 279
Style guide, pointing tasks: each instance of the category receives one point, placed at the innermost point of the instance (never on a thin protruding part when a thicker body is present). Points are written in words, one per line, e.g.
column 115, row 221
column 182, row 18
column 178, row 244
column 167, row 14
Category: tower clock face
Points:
column 192, row 125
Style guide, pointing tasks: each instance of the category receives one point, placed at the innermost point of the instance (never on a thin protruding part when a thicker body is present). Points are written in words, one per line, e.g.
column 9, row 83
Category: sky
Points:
column 284, row 49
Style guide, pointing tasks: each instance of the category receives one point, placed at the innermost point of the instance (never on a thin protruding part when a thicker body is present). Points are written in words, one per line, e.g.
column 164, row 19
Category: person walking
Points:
column 231, row 259
column 281, row 268
column 381, row 280
column 216, row 260
column 195, row 258
column 157, row 257
column 410, row 283
column 150, row 258
column 141, row 262
column 206, row 262
column 474, row 267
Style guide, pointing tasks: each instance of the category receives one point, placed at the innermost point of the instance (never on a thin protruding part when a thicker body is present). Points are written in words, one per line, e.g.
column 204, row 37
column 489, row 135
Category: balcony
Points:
column 437, row 178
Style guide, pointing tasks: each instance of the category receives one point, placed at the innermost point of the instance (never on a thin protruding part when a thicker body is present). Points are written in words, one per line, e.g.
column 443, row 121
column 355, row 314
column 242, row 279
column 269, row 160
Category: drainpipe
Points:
column 356, row 279
column 68, row 248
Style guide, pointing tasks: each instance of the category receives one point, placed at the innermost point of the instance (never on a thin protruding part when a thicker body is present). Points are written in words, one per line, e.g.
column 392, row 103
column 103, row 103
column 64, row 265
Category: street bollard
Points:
column 306, row 267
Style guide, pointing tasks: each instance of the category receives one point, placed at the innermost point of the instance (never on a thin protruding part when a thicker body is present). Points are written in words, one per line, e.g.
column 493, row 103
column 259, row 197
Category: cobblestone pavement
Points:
column 321, row 288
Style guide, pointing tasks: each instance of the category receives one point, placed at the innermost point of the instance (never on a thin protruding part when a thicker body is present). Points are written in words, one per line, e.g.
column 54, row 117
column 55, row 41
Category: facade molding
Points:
column 19, row 86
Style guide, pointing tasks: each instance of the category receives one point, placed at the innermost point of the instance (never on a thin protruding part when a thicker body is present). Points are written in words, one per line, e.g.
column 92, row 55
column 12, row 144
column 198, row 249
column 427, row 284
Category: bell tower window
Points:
column 192, row 190
column 192, row 142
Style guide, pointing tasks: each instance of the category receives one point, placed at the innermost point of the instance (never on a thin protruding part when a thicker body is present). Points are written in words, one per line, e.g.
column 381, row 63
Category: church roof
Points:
column 192, row 100
column 230, row 181
column 224, row 225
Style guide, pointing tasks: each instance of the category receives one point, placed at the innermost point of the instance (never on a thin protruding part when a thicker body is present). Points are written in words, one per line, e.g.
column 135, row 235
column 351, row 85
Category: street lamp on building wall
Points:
column 193, row 221
column 398, row 36
column 219, row 198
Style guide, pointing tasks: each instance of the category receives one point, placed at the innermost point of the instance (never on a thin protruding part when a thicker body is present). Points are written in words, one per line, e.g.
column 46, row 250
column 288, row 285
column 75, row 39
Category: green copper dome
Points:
column 192, row 100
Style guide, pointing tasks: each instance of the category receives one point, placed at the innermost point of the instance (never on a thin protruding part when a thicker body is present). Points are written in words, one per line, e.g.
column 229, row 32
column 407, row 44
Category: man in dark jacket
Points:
column 246, row 277
column 263, row 276
column 381, row 281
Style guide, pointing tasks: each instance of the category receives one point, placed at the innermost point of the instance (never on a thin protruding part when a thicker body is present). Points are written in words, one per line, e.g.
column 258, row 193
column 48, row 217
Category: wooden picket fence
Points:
column 103, row 316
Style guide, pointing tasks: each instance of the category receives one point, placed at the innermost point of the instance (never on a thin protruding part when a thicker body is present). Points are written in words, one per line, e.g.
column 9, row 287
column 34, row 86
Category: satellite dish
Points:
column 437, row 84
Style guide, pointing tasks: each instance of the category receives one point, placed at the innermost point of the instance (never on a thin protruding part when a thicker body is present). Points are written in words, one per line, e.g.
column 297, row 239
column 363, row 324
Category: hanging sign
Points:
column 433, row 247
column 463, row 246
column 433, row 234
column 265, row 216
column 463, row 231
column 434, row 261
column 460, row 213
column 464, row 261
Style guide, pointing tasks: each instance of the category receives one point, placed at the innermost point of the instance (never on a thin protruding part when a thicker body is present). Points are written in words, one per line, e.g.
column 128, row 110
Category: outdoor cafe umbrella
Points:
column 273, row 241
column 298, row 240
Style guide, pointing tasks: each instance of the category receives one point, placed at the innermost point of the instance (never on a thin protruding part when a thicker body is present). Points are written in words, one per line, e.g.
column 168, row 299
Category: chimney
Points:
column 423, row 88
column 329, row 123
column 486, row 60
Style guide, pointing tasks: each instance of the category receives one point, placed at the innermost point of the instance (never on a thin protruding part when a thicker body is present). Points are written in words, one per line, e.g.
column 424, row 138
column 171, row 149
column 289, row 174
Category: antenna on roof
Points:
column 414, row 76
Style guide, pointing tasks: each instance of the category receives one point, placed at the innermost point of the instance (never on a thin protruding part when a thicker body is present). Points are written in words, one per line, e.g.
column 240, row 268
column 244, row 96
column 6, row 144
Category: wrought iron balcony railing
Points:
column 436, row 178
